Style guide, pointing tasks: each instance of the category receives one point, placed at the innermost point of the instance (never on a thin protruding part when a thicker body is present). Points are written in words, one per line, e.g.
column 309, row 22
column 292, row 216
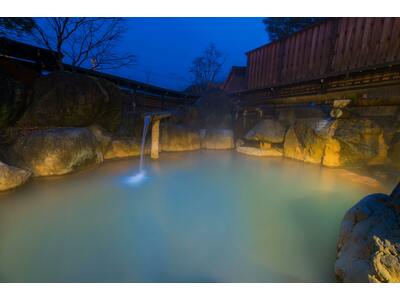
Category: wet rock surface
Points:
column 368, row 248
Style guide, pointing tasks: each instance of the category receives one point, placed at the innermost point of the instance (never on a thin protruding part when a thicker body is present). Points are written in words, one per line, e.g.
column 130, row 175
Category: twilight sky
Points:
column 165, row 47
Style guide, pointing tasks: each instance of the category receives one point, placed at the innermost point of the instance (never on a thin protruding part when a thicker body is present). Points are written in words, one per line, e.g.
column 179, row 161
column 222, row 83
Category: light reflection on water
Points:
column 137, row 178
column 193, row 217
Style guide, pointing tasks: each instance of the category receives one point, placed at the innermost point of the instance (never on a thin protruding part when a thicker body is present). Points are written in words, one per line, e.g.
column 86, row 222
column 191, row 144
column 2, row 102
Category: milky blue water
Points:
column 192, row 217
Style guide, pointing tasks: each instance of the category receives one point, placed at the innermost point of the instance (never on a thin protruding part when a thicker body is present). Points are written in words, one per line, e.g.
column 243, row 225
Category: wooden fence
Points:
column 336, row 46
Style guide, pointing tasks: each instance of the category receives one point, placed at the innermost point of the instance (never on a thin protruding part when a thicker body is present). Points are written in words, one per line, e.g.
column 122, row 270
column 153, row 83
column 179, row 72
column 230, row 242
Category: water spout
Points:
column 140, row 176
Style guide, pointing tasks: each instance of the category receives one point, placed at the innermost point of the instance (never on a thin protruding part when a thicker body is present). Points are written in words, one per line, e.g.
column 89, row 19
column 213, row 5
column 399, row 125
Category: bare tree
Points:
column 89, row 42
column 206, row 68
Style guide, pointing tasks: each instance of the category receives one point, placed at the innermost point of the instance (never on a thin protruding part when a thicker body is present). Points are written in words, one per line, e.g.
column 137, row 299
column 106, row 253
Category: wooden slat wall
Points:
column 337, row 46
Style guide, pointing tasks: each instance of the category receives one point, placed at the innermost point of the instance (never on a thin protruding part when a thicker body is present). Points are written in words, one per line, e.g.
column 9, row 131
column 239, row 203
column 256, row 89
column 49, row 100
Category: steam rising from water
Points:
column 204, row 216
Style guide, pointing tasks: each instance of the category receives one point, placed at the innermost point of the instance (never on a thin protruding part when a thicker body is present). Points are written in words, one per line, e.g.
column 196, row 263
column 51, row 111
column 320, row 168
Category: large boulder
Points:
column 12, row 101
column 267, row 130
column 355, row 142
column 11, row 177
column 306, row 140
column 218, row 139
column 58, row 151
column 336, row 143
column 178, row 138
column 64, row 99
column 368, row 249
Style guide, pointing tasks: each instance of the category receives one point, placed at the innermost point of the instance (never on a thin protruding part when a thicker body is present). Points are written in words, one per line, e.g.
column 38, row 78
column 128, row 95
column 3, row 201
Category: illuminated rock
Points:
column 355, row 142
column 265, row 146
column 306, row 140
column 368, row 248
column 254, row 151
column 11, row 177
column 218, row 139
column 336, row 143
column 267, row 130
column 292, row 146
column 179, row 138
column 58, row 151
column 124, row 147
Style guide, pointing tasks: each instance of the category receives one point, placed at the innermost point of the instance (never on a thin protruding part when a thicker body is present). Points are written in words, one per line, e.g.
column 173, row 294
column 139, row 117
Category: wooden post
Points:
column 155, row 134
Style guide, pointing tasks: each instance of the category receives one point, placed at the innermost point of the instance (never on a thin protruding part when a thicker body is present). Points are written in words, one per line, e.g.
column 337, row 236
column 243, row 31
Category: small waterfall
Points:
column 147, row 120
column 140, row 176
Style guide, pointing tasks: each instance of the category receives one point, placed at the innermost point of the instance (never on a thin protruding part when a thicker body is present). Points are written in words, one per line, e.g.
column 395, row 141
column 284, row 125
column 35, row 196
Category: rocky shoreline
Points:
column 67, row 122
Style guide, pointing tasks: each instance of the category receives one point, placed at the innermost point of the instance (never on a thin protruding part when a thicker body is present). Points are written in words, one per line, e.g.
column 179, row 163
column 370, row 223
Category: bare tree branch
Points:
column 89, row 42
column 206, row 68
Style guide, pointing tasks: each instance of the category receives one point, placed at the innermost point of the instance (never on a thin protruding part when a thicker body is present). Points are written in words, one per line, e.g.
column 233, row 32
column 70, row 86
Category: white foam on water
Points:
column 137, row 179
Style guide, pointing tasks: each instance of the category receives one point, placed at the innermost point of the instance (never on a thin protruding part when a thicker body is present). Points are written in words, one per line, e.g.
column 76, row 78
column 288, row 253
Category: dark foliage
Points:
column 282, row 27
column 16, row 25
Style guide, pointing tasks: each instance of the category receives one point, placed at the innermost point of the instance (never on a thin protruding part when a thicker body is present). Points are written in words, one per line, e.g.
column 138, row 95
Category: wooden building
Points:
column 337, row 58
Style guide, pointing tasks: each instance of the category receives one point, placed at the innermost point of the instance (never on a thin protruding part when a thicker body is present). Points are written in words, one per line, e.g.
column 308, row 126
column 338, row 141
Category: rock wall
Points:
column 343, row 142
column 13, row 101
column 178, row 138
column 64, row 99
column 217, row 139
column 48, row 127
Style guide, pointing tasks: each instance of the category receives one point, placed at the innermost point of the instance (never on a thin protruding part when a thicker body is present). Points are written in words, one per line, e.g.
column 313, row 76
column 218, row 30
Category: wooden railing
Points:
column 336, row 46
